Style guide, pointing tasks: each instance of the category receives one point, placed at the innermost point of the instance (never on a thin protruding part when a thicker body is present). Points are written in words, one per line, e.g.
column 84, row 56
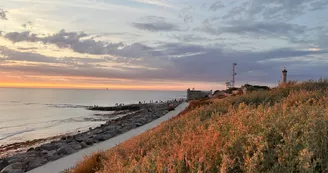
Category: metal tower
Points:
column 233, row 74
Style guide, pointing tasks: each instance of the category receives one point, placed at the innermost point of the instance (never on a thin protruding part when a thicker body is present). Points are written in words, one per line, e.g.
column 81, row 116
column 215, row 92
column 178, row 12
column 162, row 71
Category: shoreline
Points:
column 41, row 151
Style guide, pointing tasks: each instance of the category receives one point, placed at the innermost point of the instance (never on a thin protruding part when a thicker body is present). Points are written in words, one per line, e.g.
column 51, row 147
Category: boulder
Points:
column 80, row 138
column 52, row 157
column 13, row 168
column 15, row 159
column 138, row 124
column 65, row 150
column 48, row 147
column 49, row 155
column 44, row 153
column 99, row 137
column 30, row 149
column 98, row 131
column 3, row 163
column 90, row 141
column 33, row 153
column 84, row 145
column 61, row 144
column 110, row 128
column 36, row 162
column 75, row 145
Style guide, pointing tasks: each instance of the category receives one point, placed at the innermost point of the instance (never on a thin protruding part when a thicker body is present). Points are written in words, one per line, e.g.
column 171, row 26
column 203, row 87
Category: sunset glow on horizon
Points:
column 100, row 86
column 100, row 83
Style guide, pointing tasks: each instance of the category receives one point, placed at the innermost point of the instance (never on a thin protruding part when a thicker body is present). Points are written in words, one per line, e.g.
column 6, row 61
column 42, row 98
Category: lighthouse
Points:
column 284, row 75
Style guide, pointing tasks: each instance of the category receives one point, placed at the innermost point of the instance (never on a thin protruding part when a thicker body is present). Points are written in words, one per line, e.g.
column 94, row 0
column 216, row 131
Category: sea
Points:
column 28, row 114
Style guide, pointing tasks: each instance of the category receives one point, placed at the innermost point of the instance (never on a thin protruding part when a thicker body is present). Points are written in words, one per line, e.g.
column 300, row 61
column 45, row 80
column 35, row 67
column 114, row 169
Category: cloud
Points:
column 194, row 38
column 3, row 15
column 27, row 25
column 276, row 10
column 257, row 30
column 217, row 5
column 21, row 36
column 262, row 28
column 12, row 55
column 157, row 3
column 176, row 62
column 155, row 24
column 82, row 43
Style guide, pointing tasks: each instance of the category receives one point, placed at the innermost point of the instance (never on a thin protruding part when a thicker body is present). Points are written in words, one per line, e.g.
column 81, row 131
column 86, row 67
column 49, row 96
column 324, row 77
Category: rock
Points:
column 31, row 154
column 69, row 140
column 75, row 145
column 61, row 144
column 80, row 138
column 44, row 153
column 108, row 136
column 3, row 163
column 30, row 149
column 122, row 130
column 84, row 145
column 38, row 148
column 138, row 124
column 15, row 160
column 48, row 147
column 52, row 155
column 98, row 131
column 65, row 150
column 13, row 168
column 90, row 141
column 99, row 137
column 109, row 128
column 33, row 163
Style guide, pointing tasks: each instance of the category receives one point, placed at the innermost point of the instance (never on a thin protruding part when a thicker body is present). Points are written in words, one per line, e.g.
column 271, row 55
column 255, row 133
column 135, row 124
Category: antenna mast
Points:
column 233, row 74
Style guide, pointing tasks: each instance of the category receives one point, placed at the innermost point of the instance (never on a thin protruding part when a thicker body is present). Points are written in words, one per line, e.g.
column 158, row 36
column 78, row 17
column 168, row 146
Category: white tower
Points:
column 284, row 76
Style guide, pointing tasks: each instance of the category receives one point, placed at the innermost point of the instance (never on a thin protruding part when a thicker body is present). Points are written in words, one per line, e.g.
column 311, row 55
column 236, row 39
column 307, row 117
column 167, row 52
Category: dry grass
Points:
column 282, row 130
column 90, row 164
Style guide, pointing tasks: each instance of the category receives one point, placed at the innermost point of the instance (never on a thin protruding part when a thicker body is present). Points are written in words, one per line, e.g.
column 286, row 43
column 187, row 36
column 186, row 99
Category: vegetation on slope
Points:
column 282, row 130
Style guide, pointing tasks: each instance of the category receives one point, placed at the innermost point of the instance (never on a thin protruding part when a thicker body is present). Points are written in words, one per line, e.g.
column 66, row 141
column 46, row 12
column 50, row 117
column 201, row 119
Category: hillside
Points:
column 281, row 130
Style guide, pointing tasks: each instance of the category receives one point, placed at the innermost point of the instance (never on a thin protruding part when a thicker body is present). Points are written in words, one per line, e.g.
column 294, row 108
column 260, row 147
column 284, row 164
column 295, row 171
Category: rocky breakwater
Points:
column 132, row 107
column 40, row 155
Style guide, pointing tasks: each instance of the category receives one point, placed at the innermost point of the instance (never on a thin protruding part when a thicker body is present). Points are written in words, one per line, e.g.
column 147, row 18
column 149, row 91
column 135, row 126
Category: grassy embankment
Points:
column 282, row 130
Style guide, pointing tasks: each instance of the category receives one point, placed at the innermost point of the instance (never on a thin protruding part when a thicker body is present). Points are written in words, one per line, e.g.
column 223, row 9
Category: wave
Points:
column 66, row 106
column 30, row 103
column 44, row 125
column 16, row 133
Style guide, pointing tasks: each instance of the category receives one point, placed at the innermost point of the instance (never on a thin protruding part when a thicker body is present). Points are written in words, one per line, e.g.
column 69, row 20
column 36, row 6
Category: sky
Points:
column 160, row 44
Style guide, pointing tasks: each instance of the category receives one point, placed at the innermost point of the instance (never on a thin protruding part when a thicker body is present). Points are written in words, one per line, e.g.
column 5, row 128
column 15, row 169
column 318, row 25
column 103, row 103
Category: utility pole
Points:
column 233, row 74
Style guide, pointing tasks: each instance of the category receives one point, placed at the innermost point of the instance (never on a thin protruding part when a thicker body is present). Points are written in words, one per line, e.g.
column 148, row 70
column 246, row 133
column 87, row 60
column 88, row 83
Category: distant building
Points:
column 197, row 94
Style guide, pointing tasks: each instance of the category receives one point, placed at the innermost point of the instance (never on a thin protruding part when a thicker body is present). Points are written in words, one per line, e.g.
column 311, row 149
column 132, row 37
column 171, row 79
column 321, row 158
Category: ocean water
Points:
column 27, row 114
